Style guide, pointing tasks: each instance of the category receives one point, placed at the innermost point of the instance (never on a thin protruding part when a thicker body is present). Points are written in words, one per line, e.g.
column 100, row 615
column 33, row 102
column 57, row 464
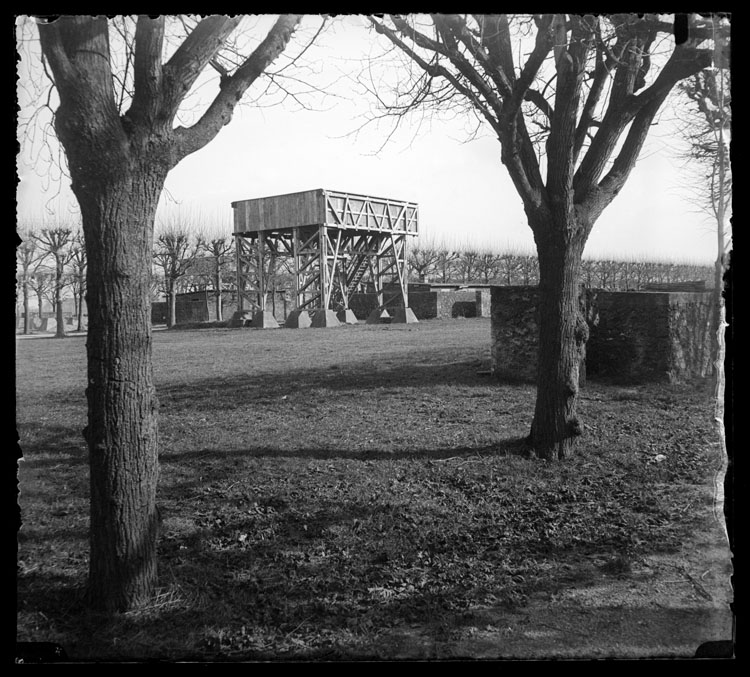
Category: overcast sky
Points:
column 464, row 194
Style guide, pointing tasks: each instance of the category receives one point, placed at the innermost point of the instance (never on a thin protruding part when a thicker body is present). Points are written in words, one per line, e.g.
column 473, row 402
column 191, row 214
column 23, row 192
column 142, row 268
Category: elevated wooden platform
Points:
column 333, row 243
column 329, row 208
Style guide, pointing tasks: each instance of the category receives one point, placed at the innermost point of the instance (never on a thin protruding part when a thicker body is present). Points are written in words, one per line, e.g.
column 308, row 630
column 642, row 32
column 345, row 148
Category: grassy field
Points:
column 321, row 487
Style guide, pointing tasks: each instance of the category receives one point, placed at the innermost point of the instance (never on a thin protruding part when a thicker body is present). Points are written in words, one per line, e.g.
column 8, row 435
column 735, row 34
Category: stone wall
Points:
column 430, row 305
column 636, row 337
column 484, row 302
column 515, row 332
column 363, row 304
column 159, row 312
column 193, row 307
column 651, row 336
column 459, row 303
column 690, row 331
column 629, row 341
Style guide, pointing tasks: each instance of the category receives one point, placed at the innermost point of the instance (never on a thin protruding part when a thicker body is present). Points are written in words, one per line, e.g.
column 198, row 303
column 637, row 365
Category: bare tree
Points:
column 529, row 269
column 487, row 266
column 175, row 251
column 56, row 242
column 507, row 267
column 27, row 255
column 708, row 131
column 122, row 99
column 423, row 260
column 219, row 248
column 467, row 264
column 78, row 276
column 571, row 120
column 41, row 282
column 447, row 263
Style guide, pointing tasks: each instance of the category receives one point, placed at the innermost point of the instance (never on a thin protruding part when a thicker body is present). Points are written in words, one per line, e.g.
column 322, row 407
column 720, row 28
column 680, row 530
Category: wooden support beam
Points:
column 295, row 256
column 261, row 281
column 322, row 265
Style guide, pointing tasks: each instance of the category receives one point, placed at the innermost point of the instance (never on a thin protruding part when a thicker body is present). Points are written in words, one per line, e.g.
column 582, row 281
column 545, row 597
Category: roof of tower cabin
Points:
column 334, row 209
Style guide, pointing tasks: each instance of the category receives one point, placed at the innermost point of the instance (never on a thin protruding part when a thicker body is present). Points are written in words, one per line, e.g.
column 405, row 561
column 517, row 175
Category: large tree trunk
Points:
column 122, row 405
column 563, row 332
column 118, row 163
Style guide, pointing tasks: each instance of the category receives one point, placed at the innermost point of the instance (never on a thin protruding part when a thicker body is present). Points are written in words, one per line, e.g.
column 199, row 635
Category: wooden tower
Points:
column 333, row 243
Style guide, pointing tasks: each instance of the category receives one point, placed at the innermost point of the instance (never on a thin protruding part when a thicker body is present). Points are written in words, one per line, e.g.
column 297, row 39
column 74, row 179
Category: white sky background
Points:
column 464, row 194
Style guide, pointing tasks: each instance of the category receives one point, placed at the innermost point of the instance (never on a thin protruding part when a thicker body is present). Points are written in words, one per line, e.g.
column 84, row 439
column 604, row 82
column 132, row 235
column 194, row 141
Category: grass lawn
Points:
column 319, row 488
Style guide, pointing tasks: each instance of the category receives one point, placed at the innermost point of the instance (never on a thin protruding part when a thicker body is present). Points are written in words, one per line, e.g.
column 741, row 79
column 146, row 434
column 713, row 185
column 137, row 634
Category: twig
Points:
column 293, row 630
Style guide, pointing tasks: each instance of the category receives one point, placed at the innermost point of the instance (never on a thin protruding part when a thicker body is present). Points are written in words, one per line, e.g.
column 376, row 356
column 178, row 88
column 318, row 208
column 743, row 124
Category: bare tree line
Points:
column 50, row 260
column 51, row 267
column 444, row 264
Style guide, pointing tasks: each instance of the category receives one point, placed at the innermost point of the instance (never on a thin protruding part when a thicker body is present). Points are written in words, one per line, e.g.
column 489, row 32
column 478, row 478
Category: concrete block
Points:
column 325, row 318
column 48, row 324
column 346, row 316
column 241, row 319
column 264, row 319
column 404, row 316
column 378, row 316
column 298, row 319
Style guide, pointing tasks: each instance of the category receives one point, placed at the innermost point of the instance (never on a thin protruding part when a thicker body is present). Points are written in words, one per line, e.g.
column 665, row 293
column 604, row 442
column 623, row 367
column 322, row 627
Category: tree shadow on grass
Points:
column 514, row 446
column 301, row 586
column 56, row 596
column 234, row 390
column 59, row 444
column 212, row 465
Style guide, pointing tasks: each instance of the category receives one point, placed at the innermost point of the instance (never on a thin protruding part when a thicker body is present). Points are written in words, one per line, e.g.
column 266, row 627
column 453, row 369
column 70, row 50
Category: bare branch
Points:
column 542, row 48
column 434, row 69
column 220, row 111
column 192, row 56
column 147, row 76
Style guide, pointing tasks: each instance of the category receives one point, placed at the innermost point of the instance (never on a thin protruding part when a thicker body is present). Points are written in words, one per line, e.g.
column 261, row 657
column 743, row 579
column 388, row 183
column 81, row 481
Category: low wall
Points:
column 430, row 305
column 635, row 337
column 691, row 336
column 159, row 312
column 651, row 336
column 363, row 304
column 515, row 332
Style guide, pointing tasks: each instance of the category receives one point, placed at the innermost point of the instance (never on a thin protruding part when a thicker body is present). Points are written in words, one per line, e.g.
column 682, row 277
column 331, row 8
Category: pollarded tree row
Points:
column 51, row 268
column 50, row 265
column 474, row 266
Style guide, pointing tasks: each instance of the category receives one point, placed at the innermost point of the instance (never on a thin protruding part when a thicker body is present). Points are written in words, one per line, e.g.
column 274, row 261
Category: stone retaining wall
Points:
column 430, row 305
column 635, row 337
column 515, row 332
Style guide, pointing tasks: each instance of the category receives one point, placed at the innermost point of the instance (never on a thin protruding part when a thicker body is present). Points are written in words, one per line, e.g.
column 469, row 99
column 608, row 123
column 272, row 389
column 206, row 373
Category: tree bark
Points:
column 122, row 426
column 563, row 333
column 26, row 309
column 118, row 163
column 60, row 320
column 79, row 309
